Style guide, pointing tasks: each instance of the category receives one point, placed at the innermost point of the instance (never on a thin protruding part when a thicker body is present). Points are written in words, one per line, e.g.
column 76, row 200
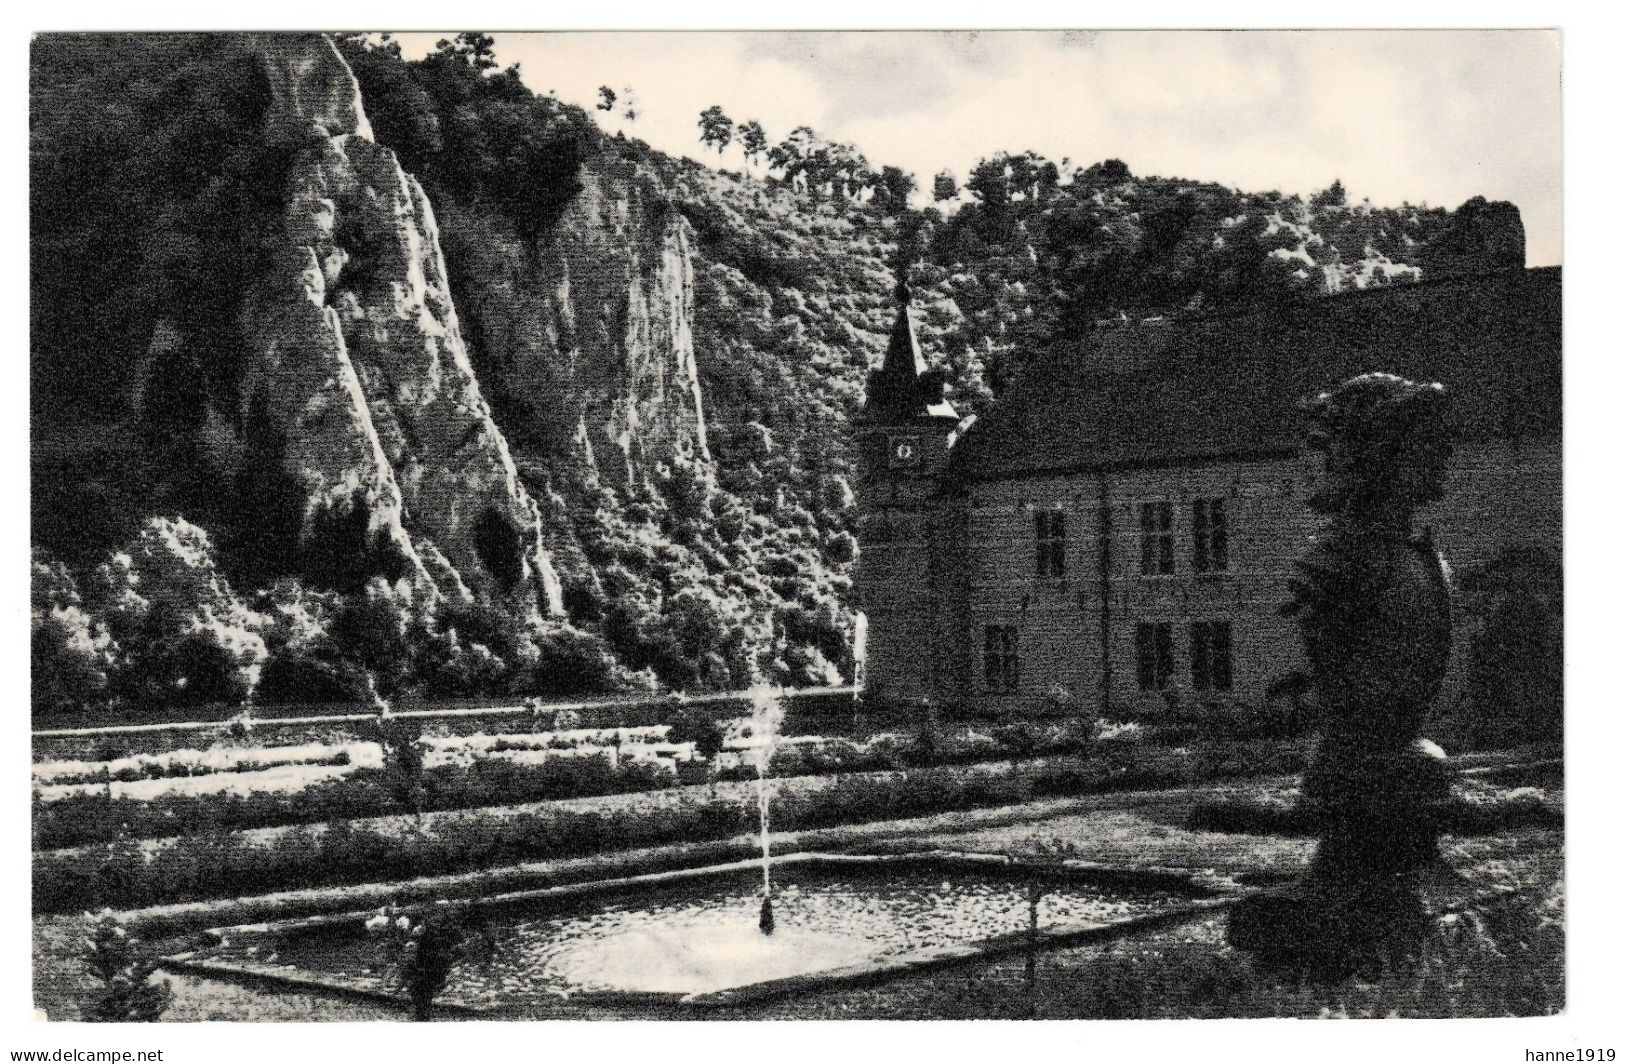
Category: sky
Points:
column 1424, row 116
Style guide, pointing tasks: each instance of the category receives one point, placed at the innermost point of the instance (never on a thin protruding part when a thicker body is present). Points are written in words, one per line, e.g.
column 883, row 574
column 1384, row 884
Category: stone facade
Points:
column 1111, row 587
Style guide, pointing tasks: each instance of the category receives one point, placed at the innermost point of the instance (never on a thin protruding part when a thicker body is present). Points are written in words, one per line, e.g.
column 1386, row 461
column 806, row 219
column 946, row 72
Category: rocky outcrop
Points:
column 358, row 362
column 586, row 334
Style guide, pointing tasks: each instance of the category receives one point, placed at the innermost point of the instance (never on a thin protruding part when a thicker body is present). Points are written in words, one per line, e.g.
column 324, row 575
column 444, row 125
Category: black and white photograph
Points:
column 811, row 525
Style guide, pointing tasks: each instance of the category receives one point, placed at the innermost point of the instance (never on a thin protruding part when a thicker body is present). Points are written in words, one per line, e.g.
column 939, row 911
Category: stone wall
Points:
column 908, row 562
column 1501, row 494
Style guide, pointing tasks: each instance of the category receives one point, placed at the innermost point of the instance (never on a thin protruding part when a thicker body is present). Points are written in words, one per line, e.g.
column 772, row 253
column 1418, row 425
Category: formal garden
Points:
column 491, row 863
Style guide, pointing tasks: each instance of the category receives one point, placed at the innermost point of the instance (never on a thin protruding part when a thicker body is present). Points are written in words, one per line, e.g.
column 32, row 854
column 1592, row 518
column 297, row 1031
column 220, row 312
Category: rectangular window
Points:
column 1050, row 532
column 1154, row 651
column 1156, row 538
column 1210, row 545
column 1210, row 656
column 1001, row 661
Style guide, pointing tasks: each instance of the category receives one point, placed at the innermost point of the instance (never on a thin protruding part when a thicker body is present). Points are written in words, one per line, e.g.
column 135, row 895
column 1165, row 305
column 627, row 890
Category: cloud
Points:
column 1415, row 115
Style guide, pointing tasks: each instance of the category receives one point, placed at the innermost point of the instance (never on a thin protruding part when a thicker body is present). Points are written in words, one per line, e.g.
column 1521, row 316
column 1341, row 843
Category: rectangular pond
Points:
column 693, row 937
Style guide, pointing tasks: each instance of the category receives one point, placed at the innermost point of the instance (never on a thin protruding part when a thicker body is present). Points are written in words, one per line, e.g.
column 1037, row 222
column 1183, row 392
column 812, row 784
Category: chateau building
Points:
column 1119, row 528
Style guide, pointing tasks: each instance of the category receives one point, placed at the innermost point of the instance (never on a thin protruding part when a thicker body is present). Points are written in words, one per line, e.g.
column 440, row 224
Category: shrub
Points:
column 1019, row 739
column 691, row 725
column 70, row 651
column 188, row 638
column 401, row 743
column 422, row 949
column 573, row 662
column 97, row 817
column 210, row 862
column 123, row 969
column 1515, row 665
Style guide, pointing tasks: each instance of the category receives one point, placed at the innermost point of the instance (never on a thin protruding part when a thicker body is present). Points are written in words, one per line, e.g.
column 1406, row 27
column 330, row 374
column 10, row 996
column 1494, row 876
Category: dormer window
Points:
column 1049, row 530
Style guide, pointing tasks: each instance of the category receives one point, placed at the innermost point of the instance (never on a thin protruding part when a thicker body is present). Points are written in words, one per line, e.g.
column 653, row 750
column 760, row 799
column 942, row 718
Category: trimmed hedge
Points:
column 216, row 863
column 92, row 818
column 95, row 817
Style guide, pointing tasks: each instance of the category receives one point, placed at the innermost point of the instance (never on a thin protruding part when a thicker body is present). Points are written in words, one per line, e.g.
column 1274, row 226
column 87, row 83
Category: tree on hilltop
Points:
column 892, row 188
column 753, row 139
column 478, row 50
column 716, row 128
column 1332, row 196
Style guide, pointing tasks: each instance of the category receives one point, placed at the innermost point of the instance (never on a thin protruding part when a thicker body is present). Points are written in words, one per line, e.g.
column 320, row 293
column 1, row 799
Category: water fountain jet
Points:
column 766, row 715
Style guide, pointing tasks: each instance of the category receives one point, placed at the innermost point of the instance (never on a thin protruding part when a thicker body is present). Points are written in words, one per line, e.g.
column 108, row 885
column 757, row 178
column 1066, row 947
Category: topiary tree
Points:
column 123, row 969
column 423, row 949
column 401, row 743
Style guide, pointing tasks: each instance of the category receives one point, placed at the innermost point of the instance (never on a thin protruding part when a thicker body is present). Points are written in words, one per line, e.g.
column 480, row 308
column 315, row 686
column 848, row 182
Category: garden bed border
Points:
column 1203, row 897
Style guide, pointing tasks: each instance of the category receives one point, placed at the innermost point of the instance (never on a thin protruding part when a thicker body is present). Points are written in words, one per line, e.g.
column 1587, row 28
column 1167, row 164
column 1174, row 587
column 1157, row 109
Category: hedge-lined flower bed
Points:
column 244, row 759
column 804, row 713
column 186, row 764
column 91, row 818
column 216, row 863
column 481, row 773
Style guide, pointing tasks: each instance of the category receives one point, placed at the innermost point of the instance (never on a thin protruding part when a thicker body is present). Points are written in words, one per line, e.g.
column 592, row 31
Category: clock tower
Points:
column 906, row 521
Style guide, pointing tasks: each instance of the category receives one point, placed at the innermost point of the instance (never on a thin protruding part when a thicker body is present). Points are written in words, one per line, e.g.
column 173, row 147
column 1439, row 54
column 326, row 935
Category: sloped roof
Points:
column 1221, row 386
column 903, row 388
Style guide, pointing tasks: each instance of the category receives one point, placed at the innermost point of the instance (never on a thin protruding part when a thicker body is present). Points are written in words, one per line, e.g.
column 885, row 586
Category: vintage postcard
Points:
column 796, row 525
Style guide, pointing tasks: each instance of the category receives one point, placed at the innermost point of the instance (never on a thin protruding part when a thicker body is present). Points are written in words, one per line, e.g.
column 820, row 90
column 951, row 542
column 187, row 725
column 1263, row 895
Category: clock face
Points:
column 905, row 451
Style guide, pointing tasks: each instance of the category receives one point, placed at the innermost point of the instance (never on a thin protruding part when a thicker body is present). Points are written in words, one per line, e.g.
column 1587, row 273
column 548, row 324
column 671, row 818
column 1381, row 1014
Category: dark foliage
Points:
column 471, row 132
column 1515, row 668
column 156, row 179
column 123, row 969
column 154, row 182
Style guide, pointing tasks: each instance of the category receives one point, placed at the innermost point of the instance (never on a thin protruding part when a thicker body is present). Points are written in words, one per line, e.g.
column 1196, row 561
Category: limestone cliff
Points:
column 585, row 335
column 358, row 362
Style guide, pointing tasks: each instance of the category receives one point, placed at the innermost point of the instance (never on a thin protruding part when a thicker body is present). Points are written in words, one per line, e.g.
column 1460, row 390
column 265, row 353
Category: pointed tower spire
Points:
column 903, row 352
column 903, row 387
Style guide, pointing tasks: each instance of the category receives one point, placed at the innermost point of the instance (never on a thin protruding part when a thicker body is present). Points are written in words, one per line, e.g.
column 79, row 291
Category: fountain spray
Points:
column 765, row 718
column 860, row 654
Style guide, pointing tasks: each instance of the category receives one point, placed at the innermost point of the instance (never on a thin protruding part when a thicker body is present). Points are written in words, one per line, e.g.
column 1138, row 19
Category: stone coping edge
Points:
column 1203, row 899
